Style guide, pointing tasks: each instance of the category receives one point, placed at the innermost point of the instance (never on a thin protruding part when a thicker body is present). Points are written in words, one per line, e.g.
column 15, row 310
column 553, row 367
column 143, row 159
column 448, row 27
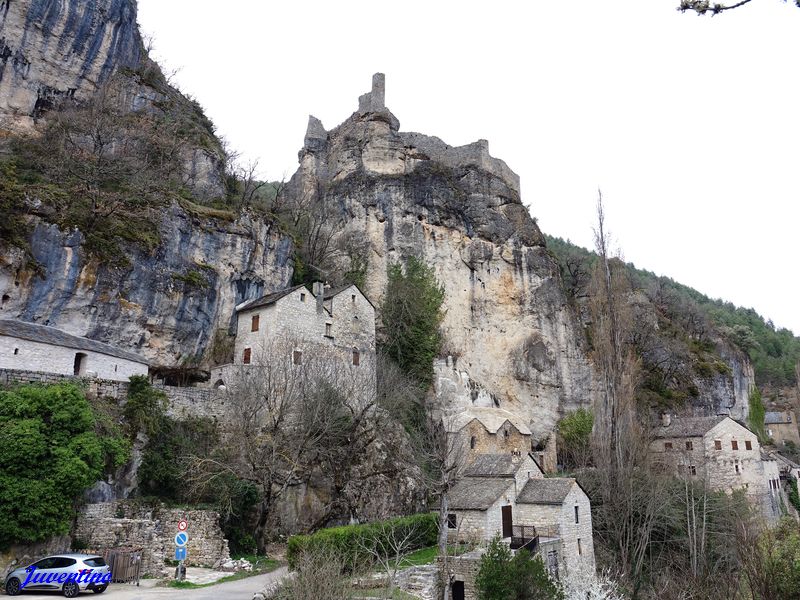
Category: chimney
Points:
column 318, row 289
column 666, row 419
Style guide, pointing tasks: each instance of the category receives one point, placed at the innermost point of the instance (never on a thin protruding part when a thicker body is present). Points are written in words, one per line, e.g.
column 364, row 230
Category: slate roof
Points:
column 491, row 418
column 331, row 292
column 688, row 426
column 44, row 334
column 474, row 493
column 492, row 465
column 777, row 418
column 268, row 299
column 545, row 491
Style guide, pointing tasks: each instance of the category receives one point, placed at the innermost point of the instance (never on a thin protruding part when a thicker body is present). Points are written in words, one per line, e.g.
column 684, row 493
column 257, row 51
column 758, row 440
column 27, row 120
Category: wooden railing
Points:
column 524, row 536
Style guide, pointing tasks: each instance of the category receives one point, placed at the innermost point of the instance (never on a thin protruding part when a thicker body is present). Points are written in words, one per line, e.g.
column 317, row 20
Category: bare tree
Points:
column 293, row 412
column 389, row 545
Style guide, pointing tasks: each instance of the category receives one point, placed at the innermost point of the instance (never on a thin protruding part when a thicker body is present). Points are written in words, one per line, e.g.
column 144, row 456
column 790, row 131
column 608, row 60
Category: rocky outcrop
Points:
column 508, row 327
column 167, row 306
column 51, row 50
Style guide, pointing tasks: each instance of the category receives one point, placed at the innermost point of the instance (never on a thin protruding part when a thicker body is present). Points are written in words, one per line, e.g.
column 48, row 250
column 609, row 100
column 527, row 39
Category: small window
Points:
column 115, row 368
column 246, row 356
column 356, row 357
column 472, row 442
column 353, row 298
column 505, row 433
column 451, row 521
column 736, row 466
column 254, row 323
column 717, row 444
column 302, row 297
column 692, row 470
column 577, row 519
column 16, row 351
column 297, row 357
column 734, row 445
column 748, row 445
column 580, row 551
column 667, row 445
column 689, row 445
column 328, row 329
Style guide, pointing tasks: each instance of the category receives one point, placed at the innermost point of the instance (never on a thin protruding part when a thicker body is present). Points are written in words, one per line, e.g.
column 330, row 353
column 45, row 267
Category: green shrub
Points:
column 411, row 314
column 49, row 454
column 503, row 576
column 145, row 406
column 575, row 433
column 350, row 543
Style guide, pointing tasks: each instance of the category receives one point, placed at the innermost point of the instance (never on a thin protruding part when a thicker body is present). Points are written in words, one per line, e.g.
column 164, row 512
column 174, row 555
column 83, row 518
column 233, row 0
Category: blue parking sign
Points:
column 180, row 553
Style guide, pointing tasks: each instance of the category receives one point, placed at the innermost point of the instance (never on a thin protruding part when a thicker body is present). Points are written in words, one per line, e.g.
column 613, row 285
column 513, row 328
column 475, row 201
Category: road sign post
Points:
column 181, row 540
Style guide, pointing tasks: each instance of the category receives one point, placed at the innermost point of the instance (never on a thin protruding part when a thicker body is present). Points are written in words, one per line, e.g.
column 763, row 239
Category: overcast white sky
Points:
column 690, row 125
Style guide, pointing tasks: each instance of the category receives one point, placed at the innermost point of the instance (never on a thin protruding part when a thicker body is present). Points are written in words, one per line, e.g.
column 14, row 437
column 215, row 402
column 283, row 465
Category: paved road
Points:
column 241, row 589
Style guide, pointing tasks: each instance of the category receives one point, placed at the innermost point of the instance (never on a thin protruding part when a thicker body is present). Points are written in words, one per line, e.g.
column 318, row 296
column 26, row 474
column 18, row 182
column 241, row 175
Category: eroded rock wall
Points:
column 165, row 306
column 507, row 324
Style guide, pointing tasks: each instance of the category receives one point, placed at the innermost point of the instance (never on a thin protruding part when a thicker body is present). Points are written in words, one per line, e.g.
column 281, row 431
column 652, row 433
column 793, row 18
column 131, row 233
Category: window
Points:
column 115, row 368
column 353, row 298
column 95, row 562
column 302, row 297
column 576, row 515
column 579, row 547
column 667, row 445
column 717, row 445
column 356, row 357
column 689, row 445
column 692, row 470
column 505, row 433
column 16, row 351
column 246, row 356
column 736, row 466
column 472, row 442
column 748, row 445
column 297, row 357
column 451, row 521
column 62, row 562
column 254, row 323
column 734, row 445
column 328, row 330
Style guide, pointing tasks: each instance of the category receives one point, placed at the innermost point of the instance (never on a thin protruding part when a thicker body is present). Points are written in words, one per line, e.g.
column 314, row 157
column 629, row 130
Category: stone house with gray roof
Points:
column 722, row 452
column 488, row 430
column 286, row 325
column 781, row 426
column 508, row 495
column 32, row 347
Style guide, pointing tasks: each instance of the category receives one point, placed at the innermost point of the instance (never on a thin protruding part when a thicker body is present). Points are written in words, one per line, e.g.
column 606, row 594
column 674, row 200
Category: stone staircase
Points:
column 419, row 581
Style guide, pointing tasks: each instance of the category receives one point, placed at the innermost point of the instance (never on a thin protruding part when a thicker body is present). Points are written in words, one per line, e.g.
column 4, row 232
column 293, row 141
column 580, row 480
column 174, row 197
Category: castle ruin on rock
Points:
column 511, row 340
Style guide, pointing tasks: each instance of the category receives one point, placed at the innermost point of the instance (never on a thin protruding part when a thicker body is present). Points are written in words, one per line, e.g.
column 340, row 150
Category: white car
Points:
column 70, row 573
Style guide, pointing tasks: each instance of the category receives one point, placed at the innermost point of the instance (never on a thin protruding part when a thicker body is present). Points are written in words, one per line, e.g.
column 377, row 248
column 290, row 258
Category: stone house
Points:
column 507, row 494
column 40, row 348
column 782, row 427
column 338, row 322
column 485, row 430
column 723, row 452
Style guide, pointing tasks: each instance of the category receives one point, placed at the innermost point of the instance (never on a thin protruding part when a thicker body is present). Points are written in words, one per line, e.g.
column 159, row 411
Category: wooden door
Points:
column 507, row 521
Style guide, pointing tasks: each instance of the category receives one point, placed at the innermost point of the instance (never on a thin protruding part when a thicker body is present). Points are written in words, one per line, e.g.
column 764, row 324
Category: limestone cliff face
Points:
column 55, row 49
column 511, row 336
column 166, row 306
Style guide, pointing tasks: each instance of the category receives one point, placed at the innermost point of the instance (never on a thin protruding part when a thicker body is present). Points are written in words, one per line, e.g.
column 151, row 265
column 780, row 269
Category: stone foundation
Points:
column 152, row 528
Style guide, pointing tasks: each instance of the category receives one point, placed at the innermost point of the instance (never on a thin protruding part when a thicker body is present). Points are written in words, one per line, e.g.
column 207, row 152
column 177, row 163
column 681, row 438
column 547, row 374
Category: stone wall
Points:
column 24, row 554
column 152, row 528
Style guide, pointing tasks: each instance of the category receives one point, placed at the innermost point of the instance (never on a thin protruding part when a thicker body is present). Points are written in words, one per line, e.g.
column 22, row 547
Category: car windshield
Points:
column 95, row 562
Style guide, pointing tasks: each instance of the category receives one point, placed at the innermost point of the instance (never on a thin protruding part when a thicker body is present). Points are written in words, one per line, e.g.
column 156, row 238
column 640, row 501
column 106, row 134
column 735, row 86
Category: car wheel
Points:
column 13, row 586
column 71, row 590
column 100, row 590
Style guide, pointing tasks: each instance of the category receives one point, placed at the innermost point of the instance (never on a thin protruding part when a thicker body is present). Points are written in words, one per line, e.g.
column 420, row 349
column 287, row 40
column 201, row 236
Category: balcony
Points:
column 524, row 536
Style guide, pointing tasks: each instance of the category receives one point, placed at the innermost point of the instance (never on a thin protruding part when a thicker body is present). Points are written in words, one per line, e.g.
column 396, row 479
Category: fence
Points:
column 125, row 564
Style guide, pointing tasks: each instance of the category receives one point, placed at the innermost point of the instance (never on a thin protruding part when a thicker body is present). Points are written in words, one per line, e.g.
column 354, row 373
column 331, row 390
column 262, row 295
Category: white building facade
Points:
column 31, row 347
